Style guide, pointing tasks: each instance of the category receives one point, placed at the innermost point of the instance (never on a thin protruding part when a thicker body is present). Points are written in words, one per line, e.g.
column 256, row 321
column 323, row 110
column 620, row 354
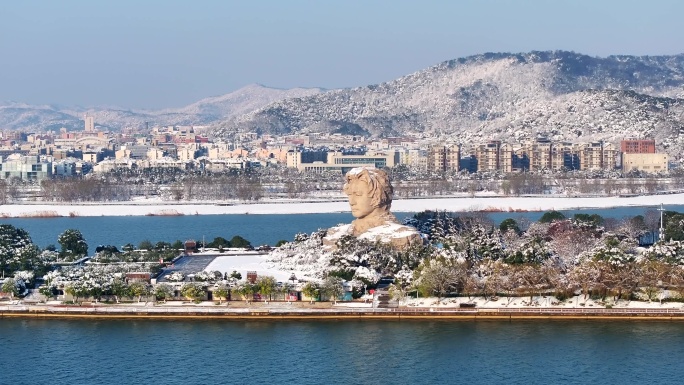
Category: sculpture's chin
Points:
column 359, row 215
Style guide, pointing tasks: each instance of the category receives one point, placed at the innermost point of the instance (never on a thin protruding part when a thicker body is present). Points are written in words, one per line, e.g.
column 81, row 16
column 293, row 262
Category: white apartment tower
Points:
column 89, row 123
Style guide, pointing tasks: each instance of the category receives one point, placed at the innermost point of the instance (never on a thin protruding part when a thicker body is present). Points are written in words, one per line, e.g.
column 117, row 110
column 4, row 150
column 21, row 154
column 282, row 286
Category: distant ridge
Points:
column 564, row 95
column 507, row 96
column 14, row 115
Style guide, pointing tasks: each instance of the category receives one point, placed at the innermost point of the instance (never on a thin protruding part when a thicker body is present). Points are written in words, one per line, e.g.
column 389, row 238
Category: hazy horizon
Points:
column 166, row 54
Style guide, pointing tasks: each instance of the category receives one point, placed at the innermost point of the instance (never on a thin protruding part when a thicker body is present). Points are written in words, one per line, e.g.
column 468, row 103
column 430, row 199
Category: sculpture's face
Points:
column 360, row 199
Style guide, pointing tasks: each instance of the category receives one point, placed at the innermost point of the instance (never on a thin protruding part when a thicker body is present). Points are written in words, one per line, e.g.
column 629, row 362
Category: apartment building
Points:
column 513, row 158
column 597, row 156
column 564, row 156
column 488, row 156
column 539, row 154
column 415, row 158
column 610, row 155
column 441, row 158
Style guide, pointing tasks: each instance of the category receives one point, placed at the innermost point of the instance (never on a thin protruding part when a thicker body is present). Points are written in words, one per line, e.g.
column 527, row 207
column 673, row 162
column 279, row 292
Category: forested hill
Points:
column 564, row 95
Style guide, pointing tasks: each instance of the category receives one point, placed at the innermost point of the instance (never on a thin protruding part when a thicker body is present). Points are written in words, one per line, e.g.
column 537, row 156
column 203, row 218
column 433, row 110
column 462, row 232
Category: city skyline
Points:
column 170, row 54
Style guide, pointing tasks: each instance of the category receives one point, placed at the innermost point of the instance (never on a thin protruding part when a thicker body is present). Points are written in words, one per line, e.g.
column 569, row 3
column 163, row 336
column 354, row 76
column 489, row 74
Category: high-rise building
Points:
column 591, row 155
column 597, row 156
column 443, row 158
column 565, row 156
column 89, row 123
column 539, row 153
column 488, row 156
column 609, row 154
column 506, row 155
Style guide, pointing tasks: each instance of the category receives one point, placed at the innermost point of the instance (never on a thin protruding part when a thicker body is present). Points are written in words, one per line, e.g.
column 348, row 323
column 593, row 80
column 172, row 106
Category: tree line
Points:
column 468, row 255
column 253, row 184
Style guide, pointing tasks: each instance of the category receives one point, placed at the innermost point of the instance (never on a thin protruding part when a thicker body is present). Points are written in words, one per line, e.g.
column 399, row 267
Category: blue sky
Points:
column 167, row 53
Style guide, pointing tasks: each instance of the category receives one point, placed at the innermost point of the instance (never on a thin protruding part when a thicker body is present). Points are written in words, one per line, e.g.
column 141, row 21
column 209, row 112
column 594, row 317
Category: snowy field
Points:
column 244, row 263
column 460, row 204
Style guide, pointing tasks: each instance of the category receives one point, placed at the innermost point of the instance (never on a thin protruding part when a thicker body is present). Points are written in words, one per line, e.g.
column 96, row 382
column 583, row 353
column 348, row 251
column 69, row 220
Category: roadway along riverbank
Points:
column 200, row 313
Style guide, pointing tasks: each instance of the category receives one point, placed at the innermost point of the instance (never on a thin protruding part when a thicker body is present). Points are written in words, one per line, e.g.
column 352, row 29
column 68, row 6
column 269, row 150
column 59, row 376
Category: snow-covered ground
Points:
column 451, row 303
column 244, row 263
column 459, row 204
column 260, row 264
column 578, row 302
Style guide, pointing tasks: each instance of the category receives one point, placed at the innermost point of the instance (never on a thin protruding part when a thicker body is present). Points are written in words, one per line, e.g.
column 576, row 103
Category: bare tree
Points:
column 632, row 185
column 530, row 280
column 569, row 246
column 584, row 275
column 3, row 192
column 494, row 280
column 610, row 186
column 584, row 186
column 438, row 276
column 652, row 220
column 651, row 274
column 651, row 185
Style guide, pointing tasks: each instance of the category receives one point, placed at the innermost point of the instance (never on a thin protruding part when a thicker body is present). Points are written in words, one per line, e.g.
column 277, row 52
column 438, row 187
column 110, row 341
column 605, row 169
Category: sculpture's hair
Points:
column 380, row 188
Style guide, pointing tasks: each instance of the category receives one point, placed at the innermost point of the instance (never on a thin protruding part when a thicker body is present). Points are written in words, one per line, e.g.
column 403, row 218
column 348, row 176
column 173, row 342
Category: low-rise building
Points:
column 638, row 146
column 339, row 162
column 644, row 162
column 25, row 168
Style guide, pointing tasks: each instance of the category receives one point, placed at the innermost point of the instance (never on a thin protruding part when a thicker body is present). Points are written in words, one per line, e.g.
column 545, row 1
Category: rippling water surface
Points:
column 344, row 352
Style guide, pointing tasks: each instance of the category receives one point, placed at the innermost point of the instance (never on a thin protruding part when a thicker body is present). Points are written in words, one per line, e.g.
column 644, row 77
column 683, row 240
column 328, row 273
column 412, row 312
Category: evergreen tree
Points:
column 73, row 244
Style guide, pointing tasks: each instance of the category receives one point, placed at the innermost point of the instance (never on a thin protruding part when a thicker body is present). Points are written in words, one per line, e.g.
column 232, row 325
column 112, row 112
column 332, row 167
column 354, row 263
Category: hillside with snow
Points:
column 19, row 116
column 564, row 95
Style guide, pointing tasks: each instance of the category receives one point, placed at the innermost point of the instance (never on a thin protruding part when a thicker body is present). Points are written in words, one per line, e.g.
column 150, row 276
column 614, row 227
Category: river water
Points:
column 333, row 352
column 339, row 352
column 259, row 229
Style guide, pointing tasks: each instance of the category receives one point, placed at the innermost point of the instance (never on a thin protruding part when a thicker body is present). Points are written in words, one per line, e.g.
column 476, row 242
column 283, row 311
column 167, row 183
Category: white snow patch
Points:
column 537, row 203
column 244, row 263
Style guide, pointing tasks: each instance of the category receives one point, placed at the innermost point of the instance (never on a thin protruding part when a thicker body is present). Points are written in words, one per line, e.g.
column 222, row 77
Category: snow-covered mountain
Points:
column 206, row 111
column 564, row 95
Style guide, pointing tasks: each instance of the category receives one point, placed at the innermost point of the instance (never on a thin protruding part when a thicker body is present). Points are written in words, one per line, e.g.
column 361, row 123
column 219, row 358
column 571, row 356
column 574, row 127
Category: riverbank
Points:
column 396, row 314
column 487, row 203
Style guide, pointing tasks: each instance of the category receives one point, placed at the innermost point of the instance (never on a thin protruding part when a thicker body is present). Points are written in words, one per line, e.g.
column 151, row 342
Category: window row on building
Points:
column 495, row 156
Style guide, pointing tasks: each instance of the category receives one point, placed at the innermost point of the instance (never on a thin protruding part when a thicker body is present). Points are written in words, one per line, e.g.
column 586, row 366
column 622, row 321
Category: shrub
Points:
column 346, row 275
column 551, row 216
column 563, row 295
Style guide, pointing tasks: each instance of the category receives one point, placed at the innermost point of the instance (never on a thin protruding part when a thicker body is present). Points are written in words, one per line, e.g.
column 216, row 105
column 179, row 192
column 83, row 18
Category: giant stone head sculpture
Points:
column 370, row 193
column 370, row 197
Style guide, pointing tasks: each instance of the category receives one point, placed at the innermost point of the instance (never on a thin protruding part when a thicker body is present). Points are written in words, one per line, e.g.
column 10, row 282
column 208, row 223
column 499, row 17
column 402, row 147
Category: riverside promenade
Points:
column 284, row 312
